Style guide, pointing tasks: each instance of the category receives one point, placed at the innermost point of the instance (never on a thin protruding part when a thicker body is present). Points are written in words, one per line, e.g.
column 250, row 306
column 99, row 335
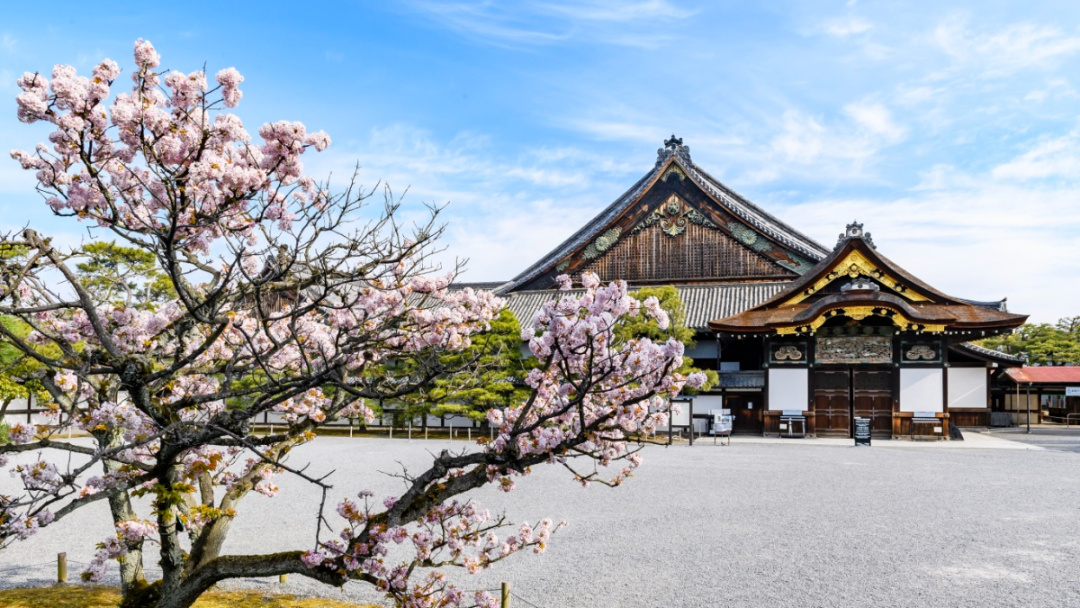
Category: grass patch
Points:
column 89, row 596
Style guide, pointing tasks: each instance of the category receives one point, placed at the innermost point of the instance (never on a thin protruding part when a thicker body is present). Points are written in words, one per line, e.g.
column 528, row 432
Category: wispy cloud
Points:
column 8, row 42
column 1003, row 51
column 536, row 23
column 1057, row 157
column 842, row 27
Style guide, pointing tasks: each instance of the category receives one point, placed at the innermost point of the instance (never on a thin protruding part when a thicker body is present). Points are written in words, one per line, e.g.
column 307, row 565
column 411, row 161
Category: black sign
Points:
column 862, row 431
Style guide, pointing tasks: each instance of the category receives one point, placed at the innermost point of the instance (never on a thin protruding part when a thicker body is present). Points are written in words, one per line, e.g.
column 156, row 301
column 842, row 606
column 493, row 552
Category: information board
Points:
column 724, row 428
column 862, row 431
column 1072, row 391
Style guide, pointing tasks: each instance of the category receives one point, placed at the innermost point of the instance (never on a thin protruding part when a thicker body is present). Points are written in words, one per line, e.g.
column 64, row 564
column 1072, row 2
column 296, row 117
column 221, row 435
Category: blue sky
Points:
column 949, row 128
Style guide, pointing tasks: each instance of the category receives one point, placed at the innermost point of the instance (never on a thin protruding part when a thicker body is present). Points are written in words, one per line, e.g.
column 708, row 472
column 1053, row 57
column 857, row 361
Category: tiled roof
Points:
column 987, row 352
column 701, row 302
column 1056, row 374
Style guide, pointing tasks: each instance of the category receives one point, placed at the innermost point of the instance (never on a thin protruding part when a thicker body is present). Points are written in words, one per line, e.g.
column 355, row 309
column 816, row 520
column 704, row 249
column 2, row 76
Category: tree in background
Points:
column 495, row 374
column 667, row 298
column 123, row 276
column 283, row 303
column 1043, row 343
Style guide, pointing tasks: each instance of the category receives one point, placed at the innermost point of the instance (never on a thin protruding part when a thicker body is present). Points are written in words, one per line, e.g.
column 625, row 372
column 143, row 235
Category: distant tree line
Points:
column 1042, row 343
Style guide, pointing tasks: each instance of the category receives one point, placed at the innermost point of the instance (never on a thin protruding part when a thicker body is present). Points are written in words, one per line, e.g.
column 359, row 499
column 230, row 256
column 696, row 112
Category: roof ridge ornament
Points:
column 673, row 146
column 854, row 230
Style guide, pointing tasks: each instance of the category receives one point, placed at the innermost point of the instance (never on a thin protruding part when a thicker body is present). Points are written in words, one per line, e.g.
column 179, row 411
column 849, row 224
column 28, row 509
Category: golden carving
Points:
column 859, row 313
column 853, row 266
column 673, row 216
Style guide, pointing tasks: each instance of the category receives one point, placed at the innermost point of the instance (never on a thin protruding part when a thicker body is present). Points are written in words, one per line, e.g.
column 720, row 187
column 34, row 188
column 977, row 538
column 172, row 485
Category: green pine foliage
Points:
column 498, row 363
column 645, row 327
column 1043, row 343
column 124, row 276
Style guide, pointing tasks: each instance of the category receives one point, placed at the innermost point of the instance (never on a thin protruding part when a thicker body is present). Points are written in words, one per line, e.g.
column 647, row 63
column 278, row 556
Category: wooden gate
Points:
column 872, row 398
column 832, row 403
column 745, row 419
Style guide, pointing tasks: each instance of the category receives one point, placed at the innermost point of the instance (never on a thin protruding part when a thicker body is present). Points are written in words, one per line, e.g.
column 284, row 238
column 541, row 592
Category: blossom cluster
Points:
column 177, row 122
column 454, row 533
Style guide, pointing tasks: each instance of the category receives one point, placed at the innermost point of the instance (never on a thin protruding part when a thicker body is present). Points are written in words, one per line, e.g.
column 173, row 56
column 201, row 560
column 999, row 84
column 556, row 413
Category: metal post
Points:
column 1029, row 408
column 61, row 567
column 505, row 595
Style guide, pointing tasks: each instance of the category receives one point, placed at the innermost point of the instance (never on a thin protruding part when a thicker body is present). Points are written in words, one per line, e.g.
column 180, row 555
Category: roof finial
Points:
column 854, row 231
column 673, row 142
column 672, row 147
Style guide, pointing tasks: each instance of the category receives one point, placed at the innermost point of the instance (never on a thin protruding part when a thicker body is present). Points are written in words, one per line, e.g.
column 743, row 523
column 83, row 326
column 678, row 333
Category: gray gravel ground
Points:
column 753, row 524
column 1051, row 437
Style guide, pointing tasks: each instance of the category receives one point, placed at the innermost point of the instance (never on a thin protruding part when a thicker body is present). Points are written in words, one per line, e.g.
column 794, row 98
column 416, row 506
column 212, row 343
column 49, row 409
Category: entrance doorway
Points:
column 843, row 394
column 746, row 414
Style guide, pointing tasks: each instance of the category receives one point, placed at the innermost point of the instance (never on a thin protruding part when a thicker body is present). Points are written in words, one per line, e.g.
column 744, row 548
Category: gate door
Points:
column 872, row 391
column 832, row 403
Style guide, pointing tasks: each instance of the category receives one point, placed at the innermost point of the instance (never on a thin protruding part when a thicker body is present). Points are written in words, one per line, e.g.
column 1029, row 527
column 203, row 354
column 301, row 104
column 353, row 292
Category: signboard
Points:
column 792, row 412
column 1072, row 391
column 722, row 425
column 862, row 431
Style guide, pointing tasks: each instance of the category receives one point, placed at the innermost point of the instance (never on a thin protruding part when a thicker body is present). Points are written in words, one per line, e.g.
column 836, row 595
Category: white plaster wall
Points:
column 703, row 404
column 921, row 389
column 967, row 387
column 788, row 389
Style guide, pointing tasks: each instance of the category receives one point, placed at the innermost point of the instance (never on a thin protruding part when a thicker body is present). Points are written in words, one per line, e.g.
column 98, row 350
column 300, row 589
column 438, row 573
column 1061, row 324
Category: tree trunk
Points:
column 172, row 553
column 131, row 565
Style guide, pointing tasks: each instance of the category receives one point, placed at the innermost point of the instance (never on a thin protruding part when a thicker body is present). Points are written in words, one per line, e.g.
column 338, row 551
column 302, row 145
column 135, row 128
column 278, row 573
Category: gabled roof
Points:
column 875, row 286
column 675, row 158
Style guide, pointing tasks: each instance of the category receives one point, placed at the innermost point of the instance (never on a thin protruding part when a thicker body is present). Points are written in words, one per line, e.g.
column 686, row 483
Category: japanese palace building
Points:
column 795, row 328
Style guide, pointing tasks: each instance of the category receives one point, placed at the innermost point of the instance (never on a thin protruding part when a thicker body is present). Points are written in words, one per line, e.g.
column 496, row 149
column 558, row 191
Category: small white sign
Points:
column 783, row 427
column 937, row 429
column 1072, row 391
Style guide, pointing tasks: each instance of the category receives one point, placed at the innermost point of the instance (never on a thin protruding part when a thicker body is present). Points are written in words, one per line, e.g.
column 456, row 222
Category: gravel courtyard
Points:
column 801, row 523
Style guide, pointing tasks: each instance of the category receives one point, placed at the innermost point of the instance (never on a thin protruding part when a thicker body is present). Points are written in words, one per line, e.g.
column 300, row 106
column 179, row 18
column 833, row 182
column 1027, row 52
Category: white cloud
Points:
column 1004, row 51
column 8, row 42
column 811, row 146
column 1056, row 157
column 847, row 26
column 876, row 119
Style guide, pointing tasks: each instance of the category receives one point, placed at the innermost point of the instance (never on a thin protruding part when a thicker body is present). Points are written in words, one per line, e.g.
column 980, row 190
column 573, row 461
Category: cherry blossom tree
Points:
column 286, row 302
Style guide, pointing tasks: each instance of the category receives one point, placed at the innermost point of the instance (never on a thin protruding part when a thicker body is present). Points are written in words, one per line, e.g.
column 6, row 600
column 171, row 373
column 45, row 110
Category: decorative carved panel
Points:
column 853, row 349
column 928, row 351
column 787, row 352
